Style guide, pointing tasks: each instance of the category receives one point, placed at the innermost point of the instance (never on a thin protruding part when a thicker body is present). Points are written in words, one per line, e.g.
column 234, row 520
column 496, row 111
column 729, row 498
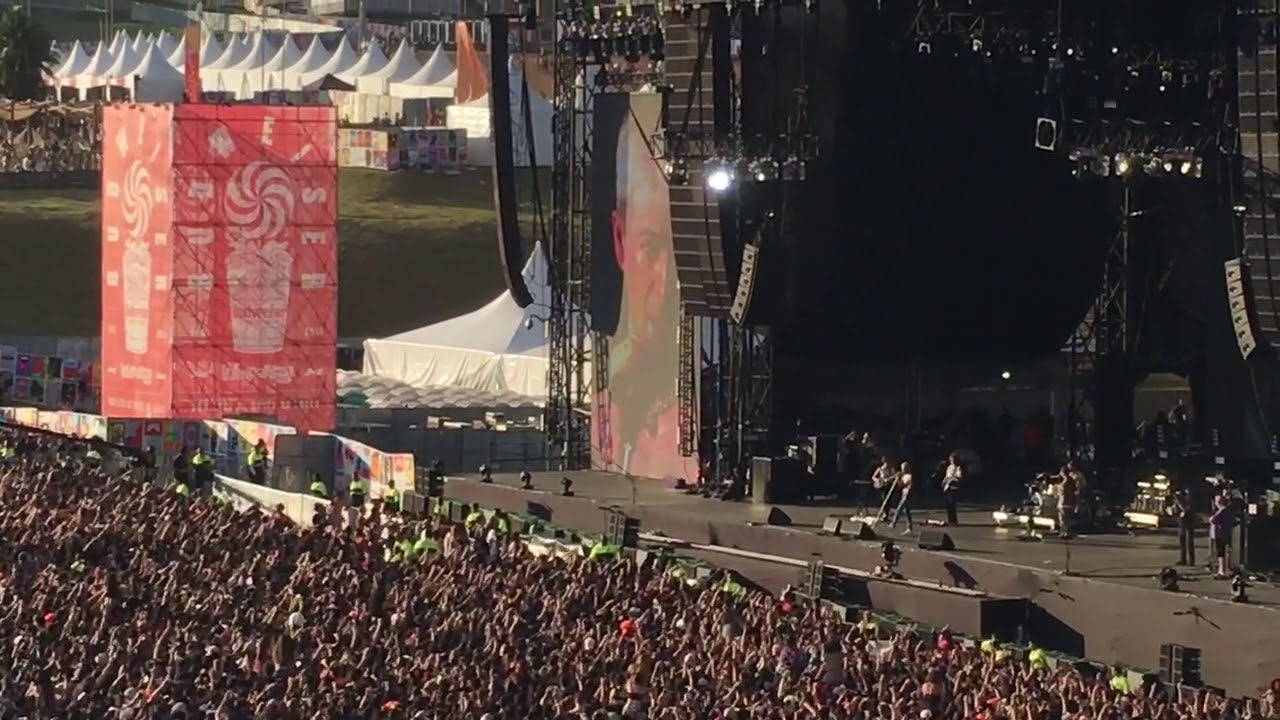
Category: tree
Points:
column 26, row 56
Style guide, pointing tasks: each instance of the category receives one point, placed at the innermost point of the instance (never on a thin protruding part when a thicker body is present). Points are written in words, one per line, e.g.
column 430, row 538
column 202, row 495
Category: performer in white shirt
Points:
column 951, row 478
column 904, row 484
column 882, row 483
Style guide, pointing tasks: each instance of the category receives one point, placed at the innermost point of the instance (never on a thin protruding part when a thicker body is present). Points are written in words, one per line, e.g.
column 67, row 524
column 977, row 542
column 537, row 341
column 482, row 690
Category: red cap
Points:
column 786, row 606
column 627, row 627
column 49, row 618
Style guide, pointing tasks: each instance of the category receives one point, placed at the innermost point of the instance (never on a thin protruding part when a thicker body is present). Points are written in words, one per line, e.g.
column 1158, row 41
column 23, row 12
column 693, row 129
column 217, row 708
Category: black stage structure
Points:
column 935, row 181
column 877, row 184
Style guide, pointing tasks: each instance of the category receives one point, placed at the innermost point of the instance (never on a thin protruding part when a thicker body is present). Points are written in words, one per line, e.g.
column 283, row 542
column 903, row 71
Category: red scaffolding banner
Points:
column 255, row 262
column 137, row 308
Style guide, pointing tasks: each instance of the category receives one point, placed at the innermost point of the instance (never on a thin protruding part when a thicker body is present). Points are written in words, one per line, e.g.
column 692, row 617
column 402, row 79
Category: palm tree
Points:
column 26, row 56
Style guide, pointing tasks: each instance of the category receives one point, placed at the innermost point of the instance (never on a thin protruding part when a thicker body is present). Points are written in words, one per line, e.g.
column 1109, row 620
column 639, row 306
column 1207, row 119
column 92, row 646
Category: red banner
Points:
column 137, row 312
column 255, row 262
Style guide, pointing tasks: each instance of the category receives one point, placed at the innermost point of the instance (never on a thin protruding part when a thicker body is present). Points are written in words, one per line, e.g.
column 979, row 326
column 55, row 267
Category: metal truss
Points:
column 570, row 395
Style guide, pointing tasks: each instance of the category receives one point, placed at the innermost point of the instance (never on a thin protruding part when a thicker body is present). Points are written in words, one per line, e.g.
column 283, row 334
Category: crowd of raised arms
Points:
column 121, row 599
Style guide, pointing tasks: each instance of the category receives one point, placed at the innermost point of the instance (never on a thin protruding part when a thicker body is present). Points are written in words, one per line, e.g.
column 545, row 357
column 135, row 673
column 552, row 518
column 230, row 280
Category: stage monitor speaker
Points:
column 931, row 539
column 761, row 480
column 859, row 530
column 740, row 311
column 832, row 525
column 778, row 518
column 510, row 243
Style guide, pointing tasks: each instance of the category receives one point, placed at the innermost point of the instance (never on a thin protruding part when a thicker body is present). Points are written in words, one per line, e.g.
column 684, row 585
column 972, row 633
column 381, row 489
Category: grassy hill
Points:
column 413, row 249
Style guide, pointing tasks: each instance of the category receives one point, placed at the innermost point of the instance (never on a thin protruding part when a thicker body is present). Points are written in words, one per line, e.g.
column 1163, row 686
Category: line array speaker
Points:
column 510, row 243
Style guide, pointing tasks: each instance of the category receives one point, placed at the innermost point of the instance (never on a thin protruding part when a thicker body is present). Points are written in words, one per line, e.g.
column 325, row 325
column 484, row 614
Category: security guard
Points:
column 474, row 519
column 318, row 488
column 257, row 461
column 181, row 489
column 501, row 523
column 391, row 499
column 357, row 490
column 202, row 469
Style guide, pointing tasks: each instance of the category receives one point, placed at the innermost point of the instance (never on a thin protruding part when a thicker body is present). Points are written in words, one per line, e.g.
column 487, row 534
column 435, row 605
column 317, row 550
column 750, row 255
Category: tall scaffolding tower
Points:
column 570, row 391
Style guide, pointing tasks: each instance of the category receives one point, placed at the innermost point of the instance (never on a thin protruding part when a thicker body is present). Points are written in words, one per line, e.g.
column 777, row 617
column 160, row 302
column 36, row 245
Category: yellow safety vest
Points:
column 182, row 490
column 357, row 487
column 1120, row 684
column 319, row 490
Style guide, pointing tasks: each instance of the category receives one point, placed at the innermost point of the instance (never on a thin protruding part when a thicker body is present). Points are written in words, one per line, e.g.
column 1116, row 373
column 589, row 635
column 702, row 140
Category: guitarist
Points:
column 882, row 482
column 951, row 477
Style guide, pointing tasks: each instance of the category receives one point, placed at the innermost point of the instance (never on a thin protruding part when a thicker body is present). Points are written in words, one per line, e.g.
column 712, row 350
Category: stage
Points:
column 991, row 579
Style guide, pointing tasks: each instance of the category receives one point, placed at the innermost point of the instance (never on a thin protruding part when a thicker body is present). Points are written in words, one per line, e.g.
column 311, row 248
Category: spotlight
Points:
column 1125, row 165
column 793, row 168
column 566, row 487
column 526, row 480
column 763, row 170
column 677, row 171
column 1168, row 579
column 1240, row 209
column 1154, row 166
column 719, row 176
column 1006, row 375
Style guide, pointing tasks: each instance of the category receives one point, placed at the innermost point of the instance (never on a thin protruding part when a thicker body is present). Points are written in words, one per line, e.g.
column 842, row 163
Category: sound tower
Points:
column 510, row 244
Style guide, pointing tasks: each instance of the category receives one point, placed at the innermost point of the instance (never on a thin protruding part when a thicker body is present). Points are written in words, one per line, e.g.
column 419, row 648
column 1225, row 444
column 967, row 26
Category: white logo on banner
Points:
column 1239, row 307
column 259, row 201
column 137, row 297
column 220, row 143
column 138, row 200
column 314, row 196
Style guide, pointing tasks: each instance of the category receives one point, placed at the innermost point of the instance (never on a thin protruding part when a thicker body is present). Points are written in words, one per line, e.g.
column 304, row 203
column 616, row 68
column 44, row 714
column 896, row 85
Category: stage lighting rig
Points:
column 623, row 38
column 719, row 174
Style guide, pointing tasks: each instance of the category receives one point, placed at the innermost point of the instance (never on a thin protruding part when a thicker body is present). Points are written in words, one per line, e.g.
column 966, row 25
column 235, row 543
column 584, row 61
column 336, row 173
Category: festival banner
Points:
column 137, row 312
column 255, row 252
column 239, row 436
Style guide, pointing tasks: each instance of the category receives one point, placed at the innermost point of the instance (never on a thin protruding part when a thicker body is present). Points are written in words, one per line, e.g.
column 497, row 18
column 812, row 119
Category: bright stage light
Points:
column 1006, row 375
column 718, row 175
column 1124, row 164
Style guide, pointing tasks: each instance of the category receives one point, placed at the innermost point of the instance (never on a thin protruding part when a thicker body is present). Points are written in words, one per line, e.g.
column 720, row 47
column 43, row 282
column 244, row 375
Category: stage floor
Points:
column 1132, row 560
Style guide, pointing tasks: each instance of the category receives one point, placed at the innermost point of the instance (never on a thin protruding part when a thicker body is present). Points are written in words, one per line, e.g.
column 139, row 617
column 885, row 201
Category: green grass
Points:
column 413, row 249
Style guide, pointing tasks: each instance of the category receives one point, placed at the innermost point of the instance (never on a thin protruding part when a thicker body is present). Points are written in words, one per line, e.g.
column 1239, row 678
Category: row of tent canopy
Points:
column 250, row 63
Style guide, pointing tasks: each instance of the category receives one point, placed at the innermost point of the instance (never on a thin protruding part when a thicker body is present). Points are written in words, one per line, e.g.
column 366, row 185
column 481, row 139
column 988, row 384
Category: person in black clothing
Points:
column 182, row 466
column 1181, row 509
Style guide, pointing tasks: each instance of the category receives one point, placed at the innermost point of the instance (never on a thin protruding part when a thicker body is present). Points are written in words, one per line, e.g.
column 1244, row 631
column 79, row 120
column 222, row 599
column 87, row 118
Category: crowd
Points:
column 122, row 599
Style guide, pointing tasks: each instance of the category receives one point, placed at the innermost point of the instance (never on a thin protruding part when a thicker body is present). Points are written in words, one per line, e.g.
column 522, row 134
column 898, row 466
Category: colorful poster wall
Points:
column 634, row 299
column 55, row 382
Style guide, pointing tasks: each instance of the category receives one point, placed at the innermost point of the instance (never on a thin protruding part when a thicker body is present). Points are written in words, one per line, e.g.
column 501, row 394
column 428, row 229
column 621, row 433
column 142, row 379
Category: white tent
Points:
column 500, row 347
column 371, row 62
column 155, row 80
column 74, row 61
column 118, row 42
column 476, row 118
column 401, row 66
column 259, row 53
column 311, row 61
column 92, row 74
column 140, row 44
column 436, row 79
column 123, row 66
column 338, row 64
column 237, row 49
column 273, row 74
column 168, row 43
column 244, row 77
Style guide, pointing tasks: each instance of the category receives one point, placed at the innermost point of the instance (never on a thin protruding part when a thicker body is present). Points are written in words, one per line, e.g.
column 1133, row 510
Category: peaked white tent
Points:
column 140, row 44
column 401, row 66
column 94, row 71
column 168, row 43
column 338, row 65
column 476, row 118
column 237, row 49
column 437, row 78
column 118, row 42
column 312, row 60
column 272, row 75
column 75, row 60
column 499, row 347
column 123, row 66
column 155, row 80
column 371, row 62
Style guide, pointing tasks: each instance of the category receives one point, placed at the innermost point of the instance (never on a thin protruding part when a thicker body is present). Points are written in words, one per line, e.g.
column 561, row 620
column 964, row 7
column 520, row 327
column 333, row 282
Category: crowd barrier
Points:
column 228, row 441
